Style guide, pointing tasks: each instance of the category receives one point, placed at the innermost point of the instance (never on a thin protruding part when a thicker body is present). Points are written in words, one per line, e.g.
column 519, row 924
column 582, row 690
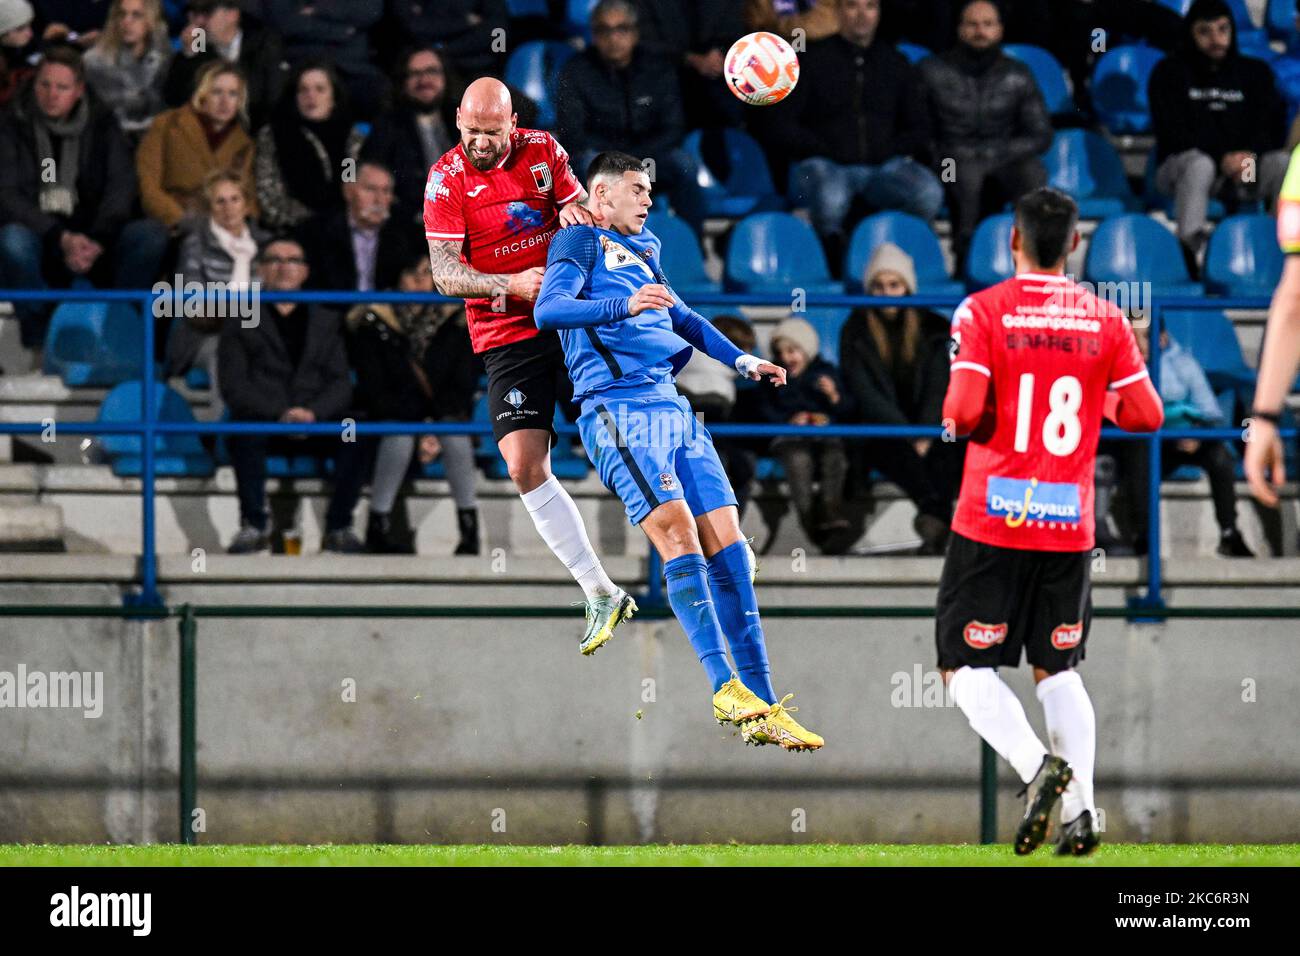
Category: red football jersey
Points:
column 1051, row 350
column 505, row 218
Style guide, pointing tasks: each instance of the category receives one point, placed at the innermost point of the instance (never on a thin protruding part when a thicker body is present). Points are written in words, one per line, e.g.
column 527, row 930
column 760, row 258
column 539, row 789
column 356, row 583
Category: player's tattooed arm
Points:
column 455, row 278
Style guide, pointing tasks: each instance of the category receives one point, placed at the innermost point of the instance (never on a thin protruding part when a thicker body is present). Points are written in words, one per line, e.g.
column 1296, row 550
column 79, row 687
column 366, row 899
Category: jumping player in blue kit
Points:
column 625, row 335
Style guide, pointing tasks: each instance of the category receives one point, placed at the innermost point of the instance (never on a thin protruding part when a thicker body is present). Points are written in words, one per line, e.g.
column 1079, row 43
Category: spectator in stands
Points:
column 851, row 127
column 74, row 22
column 414, row 362
column 338, row 32
column 74, row 223
column 894, row 362
column 696, row 34
column 616, row 95
column 19, row 47
column 1189, row 403
column 712, row 391
column 221, row 249
column 813, row 396
column 301, row 152
column 816, row 18
column 417, row 130
column 464, row 30
column 126, row 68
column 254, row 48
column 361, row 246
column 291, row 366
column 1219, row 124
column 183, row 145
column 989, row 122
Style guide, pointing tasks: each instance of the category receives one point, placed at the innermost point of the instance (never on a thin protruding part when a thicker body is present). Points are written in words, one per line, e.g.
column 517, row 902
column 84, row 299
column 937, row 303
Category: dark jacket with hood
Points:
column 106, row 183
column 853, row 105
column 801, row 394
column 1217, row 108
column 984, row 104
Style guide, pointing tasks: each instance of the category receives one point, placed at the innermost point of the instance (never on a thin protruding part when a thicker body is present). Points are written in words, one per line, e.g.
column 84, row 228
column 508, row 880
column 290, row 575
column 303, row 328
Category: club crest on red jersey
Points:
column 980, row 635
column 541, row 175
column 1067, row 636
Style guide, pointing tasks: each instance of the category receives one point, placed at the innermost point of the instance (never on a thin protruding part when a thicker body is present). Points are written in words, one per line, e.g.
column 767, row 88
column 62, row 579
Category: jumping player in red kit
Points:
column 1037, row 361
column 491, row 205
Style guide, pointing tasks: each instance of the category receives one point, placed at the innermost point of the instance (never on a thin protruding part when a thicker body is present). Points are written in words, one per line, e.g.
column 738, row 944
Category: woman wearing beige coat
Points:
column 185, row 144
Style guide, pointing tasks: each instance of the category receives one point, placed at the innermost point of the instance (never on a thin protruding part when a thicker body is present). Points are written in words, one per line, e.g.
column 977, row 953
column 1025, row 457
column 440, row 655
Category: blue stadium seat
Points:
column 1280, row 19
column 748, row 184
column 568, row 458
column 1085, row 166
column 911, row 234
column 1243, row 257
column 94, row 343
column 197, row 378
column 488, row 454
column 174, row 455
column 680, row 256
column 776, row 252
column 577, row 20
column 1212, row 339
column 527, row 8
column 1136, row 248
column 1119, row 87
column 534, row 68
column 828, row 322
column 989, row 260
column 913, row 52
column 1049, row 74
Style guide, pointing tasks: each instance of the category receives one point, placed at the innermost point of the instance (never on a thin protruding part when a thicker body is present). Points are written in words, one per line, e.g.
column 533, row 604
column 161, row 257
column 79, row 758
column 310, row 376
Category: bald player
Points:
column 1265, row 464
column 492, row 204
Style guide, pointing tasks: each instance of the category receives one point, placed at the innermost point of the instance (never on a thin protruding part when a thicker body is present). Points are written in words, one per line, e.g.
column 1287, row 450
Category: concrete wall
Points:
column 460, row 724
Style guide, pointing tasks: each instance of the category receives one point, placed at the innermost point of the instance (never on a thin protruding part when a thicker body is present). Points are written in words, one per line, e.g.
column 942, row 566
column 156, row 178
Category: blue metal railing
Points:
column 148, row 426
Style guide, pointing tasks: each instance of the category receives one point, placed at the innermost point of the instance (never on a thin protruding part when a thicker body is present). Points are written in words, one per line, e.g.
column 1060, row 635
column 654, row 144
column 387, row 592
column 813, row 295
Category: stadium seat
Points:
column 681, row 258
column 1085, row 166
column 568, row 458
column 1048, row 73
column 747, row 186
column 776, row 252
column 1243, row 258
column 1212, row 339
column 174, row 455
column 827, row 322
column 488, row 454
column 1280, row 19
column 913, row 52
column 577, row 20
column 198, row 378
column 989, row 260
column 528, row 8
column 94, row 343
column 1136, row 248
column 534, row 68
column 1155, row 199
column 911, row 234
column 1119, row 87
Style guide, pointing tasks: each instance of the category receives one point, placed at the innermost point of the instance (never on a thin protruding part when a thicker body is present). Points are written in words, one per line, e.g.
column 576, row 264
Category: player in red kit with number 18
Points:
column 1037, row 362
column 491, row 206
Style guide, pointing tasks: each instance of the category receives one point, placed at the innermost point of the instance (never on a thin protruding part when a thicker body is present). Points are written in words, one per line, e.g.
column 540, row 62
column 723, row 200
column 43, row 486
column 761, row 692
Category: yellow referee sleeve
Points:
column 1288, row 208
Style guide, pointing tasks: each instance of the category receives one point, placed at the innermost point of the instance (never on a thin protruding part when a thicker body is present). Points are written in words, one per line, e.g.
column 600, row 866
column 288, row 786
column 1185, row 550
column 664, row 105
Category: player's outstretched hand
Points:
column 1265, row 465
column 648, row 297
column 575, row 214
column 526, row 284
column 769, row 371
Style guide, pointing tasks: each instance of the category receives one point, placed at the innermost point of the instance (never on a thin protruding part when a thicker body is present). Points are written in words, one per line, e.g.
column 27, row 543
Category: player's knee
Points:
column 527, row 474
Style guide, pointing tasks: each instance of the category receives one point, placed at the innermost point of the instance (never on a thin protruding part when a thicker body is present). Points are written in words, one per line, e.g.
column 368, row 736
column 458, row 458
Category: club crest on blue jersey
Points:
column 1018, row 501
column 521, row 217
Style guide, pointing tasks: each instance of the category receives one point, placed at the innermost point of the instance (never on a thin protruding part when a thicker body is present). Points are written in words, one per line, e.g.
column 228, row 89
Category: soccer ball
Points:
column 761, row 69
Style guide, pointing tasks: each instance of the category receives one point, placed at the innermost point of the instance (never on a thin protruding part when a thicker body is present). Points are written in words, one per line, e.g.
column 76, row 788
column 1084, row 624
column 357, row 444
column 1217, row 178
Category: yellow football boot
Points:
column 778, row 727
column 734, row 703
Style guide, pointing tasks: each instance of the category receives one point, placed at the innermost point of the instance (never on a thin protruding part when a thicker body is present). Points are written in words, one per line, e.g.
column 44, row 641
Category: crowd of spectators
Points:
column 288, row 141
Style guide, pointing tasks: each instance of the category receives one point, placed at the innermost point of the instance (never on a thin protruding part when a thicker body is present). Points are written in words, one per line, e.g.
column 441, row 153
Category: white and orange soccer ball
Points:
column 761, row 69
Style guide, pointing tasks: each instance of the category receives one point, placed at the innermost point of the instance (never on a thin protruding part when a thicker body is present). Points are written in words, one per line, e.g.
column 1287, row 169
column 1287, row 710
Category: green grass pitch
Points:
column 672, row 855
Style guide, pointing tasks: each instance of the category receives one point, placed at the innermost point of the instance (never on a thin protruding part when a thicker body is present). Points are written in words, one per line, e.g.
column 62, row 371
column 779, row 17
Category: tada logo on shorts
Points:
column 515, row 397
column 666, row 481
column 979, row 635
column 1067, row 636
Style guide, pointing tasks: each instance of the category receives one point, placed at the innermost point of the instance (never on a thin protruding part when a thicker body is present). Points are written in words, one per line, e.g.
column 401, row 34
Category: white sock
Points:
column 995, row 714
column 560, row 525
column 1072, row 729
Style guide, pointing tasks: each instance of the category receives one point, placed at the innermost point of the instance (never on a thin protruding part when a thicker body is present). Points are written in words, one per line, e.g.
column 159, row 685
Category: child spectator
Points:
column 812, row 396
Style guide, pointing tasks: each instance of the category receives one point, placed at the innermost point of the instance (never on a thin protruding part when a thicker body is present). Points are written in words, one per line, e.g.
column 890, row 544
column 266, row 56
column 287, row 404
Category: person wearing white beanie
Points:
column 17, row 46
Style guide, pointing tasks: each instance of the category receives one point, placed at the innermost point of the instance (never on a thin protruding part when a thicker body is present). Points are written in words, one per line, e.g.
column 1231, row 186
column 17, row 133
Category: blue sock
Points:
column 737, row 609
column 688, row 593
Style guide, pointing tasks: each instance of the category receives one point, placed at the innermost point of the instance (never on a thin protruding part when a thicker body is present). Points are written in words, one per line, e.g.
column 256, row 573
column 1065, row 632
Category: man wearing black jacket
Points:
column 362, row 246
column 67, row 190
column 1219, row 124
column 989, row 120
column 852, row 127
column 618, row 96
column 291, row 366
